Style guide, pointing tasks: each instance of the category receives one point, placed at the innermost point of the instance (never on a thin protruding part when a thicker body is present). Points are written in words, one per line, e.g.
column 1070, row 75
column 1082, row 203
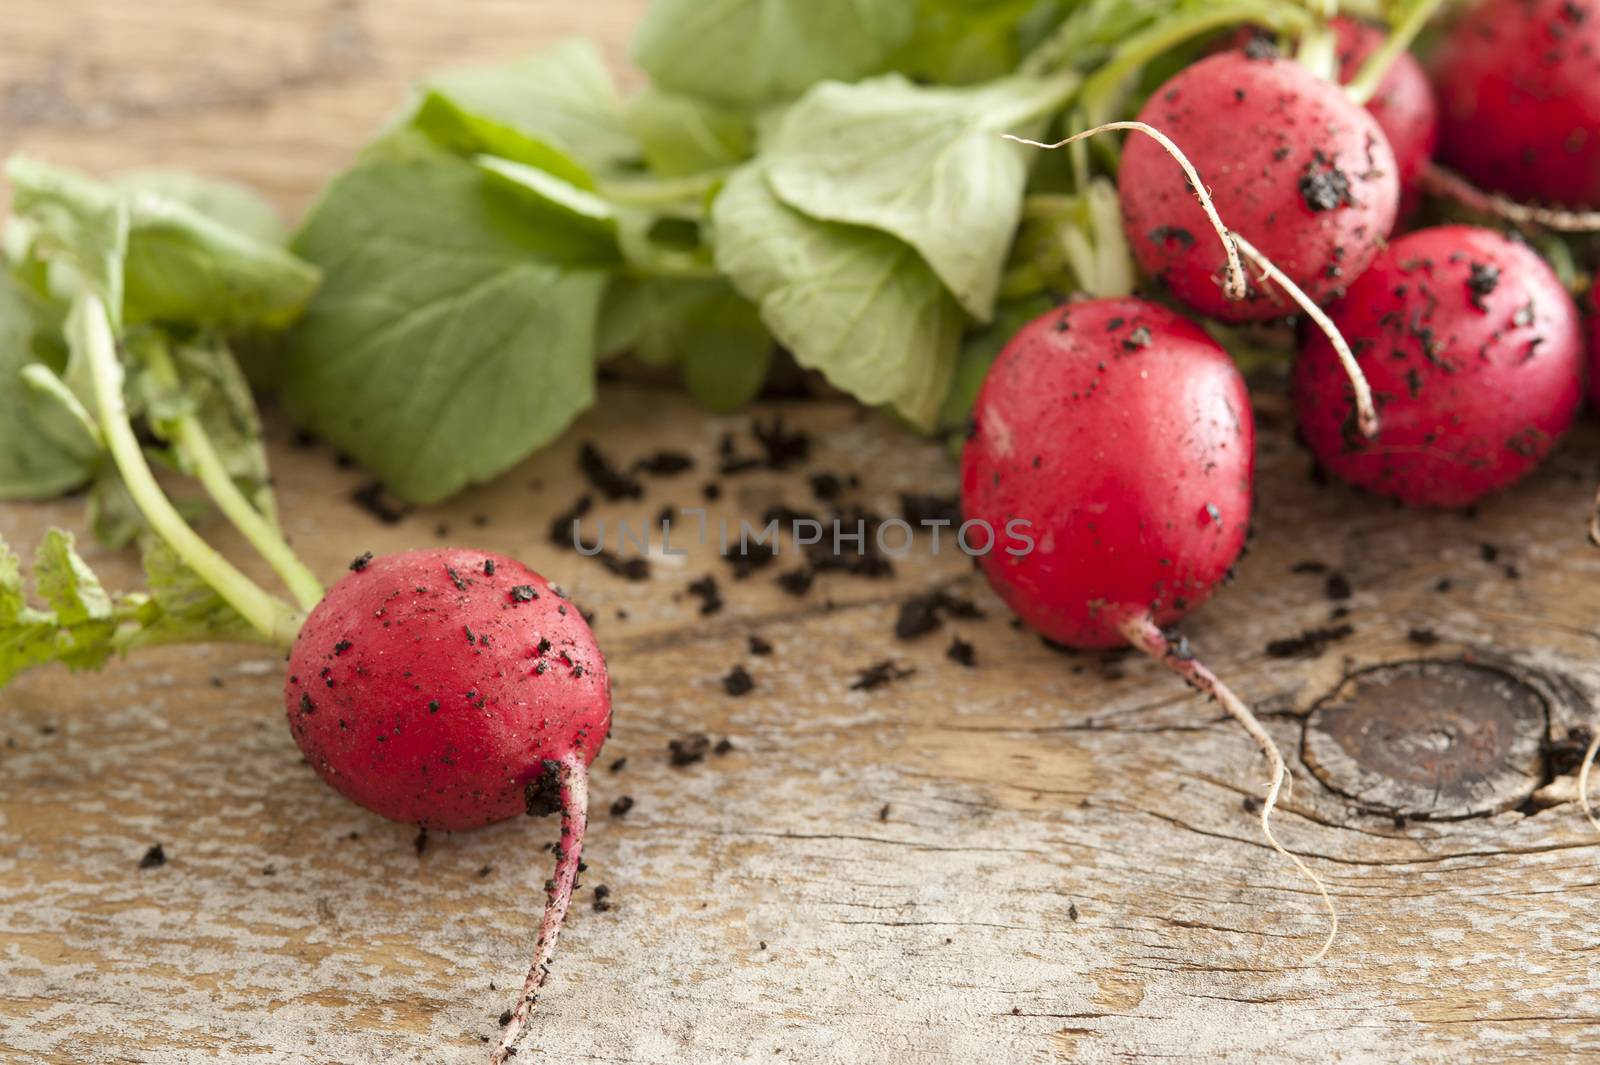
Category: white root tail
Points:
column 1143, row 633
column 1583, row 781
column 1594, row 520
column 1447, row 184
column 1366, row 412
column 573, row 776
column 1234, row 287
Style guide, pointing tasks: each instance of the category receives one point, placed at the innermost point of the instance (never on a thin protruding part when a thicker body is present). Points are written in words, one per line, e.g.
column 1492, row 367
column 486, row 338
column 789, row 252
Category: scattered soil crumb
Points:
column 687, row 750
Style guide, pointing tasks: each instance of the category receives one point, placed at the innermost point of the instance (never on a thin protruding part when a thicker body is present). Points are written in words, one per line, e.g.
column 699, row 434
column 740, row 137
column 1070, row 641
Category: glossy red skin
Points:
column 1519, row 90
column 370, row 732
column 1252, row 152
column 1115, row 453
column 1404, row 105
column 1490, row 402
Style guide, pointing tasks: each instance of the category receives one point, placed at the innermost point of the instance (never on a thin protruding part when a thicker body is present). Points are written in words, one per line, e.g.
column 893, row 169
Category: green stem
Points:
column 195, row 445
column 90, row 330
column 1141, row 48
column 1364, row 85
column 652, row 192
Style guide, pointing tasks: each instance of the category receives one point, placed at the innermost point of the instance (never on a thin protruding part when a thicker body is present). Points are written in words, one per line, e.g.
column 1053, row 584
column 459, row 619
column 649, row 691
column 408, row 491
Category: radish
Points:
column 445, row 688
column 1294, row 166
column 453, row 689
column 1519, row 88
column 1123, row 435
column 1475, row 356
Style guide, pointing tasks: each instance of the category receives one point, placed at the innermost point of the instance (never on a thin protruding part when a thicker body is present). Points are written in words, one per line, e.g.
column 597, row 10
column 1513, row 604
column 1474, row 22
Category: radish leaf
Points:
column 744, row 52
column 454, row 331
column 854, row 303
column 927, row 165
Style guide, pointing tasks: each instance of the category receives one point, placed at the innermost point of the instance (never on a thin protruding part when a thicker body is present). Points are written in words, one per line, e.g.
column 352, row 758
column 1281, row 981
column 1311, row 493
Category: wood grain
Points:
column 1049, row 857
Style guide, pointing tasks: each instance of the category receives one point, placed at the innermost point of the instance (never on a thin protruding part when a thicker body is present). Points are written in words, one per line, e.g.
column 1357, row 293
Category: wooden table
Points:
column 1051, row 856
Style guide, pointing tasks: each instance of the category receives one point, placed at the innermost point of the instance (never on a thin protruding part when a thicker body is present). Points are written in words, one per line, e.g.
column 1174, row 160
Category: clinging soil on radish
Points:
column 1307, row 176
column 433, row 687
column 452, row 689
column 1474, row 353
column 1123, row 434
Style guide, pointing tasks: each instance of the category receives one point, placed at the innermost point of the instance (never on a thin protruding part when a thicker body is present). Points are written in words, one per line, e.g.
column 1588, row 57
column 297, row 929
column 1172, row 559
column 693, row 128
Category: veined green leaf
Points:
column 185, row 266
column 556, row 110
column 854, row 303
column 454, row 331
column 927, row 165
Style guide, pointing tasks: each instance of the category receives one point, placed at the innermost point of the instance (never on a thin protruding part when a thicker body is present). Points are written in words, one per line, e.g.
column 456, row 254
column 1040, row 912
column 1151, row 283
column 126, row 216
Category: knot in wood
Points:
column 1430, row 739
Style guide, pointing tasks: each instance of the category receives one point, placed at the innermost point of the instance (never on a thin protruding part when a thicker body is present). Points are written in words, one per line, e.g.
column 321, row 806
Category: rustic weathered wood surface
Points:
column 1050, row 857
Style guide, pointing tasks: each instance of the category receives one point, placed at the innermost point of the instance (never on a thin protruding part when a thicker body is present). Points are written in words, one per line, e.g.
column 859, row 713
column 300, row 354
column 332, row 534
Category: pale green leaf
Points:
column 40, row 456
column 228, row 203
column 76, row 226
column 560, row 99
column 682, row 135
column 745, row 52
column 854, row 303
column 185, row 266
column 927, row 165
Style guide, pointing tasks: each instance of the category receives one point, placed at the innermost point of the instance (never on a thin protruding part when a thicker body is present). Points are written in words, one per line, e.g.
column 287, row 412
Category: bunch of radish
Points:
column 1435, row 367
column 453, row 688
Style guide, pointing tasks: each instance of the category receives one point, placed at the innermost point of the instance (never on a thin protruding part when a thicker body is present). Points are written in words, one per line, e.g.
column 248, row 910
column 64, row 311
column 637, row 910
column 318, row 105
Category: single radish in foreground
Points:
column 1475, row 356
column 445, row 688
column 1123, row 435
column 452, row 689
column 1519, row 90
column 1307, row 176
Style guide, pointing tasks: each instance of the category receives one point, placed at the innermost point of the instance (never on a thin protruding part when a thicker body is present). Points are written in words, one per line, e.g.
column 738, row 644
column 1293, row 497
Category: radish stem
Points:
column 194, row 443
column 1141, row 48
column 1364, row 85
column 1143, row 633
column 1451, row 186
column 1234, row 286
column 89, row 331
column 1366, row 413
column 574, row 784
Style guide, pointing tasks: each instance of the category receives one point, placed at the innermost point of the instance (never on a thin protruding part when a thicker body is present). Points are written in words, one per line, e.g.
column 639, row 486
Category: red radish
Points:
column 1294, row 166
column 446, row 688
column 1519, row 88
column 1122, row 434
column 452, row 689
column 1474, row 353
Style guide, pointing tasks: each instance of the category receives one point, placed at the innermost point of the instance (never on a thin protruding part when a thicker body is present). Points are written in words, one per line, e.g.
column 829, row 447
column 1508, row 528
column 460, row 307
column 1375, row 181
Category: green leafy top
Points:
column 81, row 625
column 170, row 256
